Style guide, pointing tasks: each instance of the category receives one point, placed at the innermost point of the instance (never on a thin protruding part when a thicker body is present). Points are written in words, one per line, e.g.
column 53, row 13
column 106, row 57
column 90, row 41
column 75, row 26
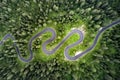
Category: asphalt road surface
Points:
column 101, row 30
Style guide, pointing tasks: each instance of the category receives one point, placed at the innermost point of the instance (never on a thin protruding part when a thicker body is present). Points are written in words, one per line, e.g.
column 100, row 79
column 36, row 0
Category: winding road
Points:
column 58, row 46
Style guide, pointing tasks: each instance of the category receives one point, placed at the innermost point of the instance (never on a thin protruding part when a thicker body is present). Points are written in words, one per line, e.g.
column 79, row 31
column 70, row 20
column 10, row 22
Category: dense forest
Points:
column 25, row 18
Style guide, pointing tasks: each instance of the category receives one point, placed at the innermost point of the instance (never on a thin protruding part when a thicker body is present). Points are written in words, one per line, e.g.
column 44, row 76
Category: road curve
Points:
column 53, row 37
column 93, row 45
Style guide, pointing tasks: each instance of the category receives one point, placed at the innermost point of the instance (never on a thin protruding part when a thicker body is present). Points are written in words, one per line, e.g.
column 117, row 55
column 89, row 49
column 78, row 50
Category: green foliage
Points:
column 25, row 18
